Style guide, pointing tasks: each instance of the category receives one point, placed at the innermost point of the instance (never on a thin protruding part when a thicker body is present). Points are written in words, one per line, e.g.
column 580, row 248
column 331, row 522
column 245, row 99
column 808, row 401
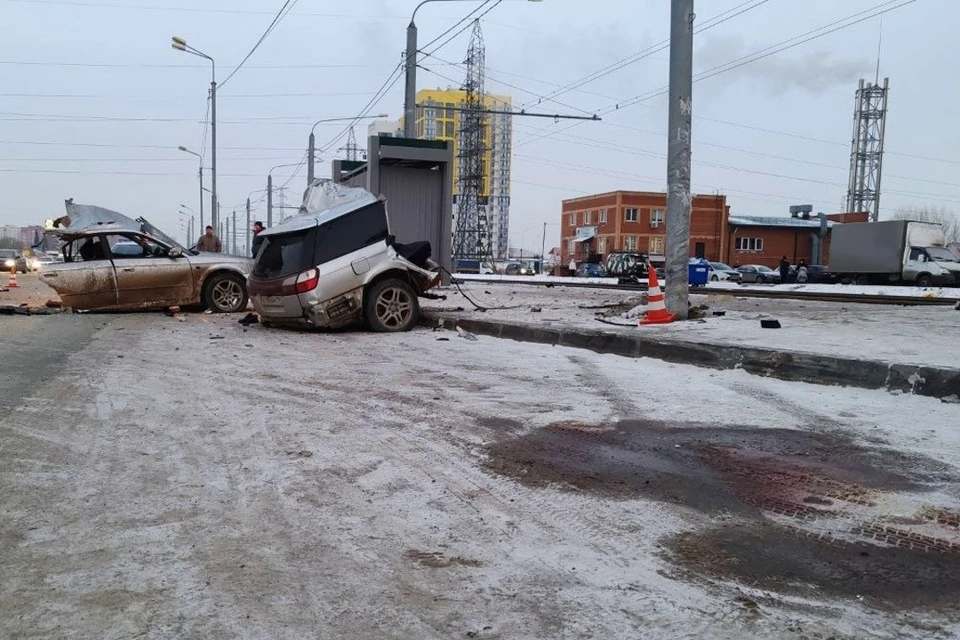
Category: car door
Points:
column 151, row 278
column 83, row 284
column 749, row 274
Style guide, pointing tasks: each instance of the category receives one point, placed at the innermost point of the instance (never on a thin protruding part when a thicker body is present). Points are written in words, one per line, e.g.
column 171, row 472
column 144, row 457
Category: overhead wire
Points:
column 287, row 5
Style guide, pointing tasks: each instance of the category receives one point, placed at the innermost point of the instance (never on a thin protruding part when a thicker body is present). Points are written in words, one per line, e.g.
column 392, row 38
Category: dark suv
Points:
column 627, row 267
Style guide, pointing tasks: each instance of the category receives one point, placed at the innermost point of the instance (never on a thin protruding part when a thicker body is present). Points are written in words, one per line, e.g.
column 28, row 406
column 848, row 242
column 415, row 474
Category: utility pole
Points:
column 234, row 231
column 677, row 284
column 200, row 173
column 543, row 247
column 410, row 81
column 247, row 241
column 213, row 147
column 269, row 200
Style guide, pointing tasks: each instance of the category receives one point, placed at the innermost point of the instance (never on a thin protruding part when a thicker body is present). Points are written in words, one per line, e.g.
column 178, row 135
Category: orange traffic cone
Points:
column 657, row 311
column 12, row 283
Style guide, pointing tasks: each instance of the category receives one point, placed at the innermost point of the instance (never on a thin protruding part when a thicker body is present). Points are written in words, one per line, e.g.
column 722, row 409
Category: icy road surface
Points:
column 164, row 479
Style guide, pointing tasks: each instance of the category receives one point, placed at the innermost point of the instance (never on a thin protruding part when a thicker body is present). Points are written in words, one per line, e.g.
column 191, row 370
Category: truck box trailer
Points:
column 894, row 251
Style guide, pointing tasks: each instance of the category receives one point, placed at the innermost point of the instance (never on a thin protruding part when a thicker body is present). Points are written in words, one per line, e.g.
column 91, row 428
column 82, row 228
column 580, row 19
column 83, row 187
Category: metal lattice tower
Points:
column 471, row 238
column 352, row 149
column 866, row 154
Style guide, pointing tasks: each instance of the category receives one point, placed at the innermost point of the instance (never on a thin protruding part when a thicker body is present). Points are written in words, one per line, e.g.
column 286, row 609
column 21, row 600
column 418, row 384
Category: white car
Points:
column 720, row 272
column 337, row 263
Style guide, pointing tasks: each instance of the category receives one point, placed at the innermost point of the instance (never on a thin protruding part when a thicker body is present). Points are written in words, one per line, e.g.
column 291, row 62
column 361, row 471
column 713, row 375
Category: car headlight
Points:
column 9, row 263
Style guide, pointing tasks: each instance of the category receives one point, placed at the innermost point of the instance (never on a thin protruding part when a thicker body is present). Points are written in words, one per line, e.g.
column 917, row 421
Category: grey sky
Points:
column 340, row 53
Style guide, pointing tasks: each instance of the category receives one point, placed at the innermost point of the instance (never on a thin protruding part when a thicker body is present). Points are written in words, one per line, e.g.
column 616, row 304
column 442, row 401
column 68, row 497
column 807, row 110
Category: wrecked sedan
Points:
column 100, row 271
column 337, row 264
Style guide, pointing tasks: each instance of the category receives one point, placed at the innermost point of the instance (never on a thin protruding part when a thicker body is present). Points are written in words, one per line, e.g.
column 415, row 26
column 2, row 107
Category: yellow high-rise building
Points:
column 437, row 119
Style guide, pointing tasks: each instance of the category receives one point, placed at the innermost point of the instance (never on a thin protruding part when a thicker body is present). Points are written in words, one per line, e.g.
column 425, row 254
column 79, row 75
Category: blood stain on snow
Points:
column 809, row 502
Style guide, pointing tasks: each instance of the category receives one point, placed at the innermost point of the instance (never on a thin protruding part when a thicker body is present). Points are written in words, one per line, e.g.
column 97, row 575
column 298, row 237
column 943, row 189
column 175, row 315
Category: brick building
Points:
column 636, row 221
column 765, row 240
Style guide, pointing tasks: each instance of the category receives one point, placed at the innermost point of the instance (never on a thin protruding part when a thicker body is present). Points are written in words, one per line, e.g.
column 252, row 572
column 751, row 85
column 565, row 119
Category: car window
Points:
column 86, row 249
column 126, row 246
column 719, row 266
column 286, row 254
column 352, row 232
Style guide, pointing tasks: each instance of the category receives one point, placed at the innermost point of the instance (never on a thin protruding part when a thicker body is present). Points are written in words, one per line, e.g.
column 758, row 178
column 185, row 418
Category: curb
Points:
column 934, row 382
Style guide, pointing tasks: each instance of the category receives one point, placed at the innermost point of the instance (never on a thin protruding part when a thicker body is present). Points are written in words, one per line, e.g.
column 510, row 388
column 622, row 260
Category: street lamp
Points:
column 410, row 87
column 199, row 174
column 181, row 45
column 270, row 190
column 311, row 145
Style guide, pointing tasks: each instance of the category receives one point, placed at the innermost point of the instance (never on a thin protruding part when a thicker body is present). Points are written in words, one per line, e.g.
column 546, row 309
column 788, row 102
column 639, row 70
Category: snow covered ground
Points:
column 908, row 335
column 834, row 289
column 198, row 480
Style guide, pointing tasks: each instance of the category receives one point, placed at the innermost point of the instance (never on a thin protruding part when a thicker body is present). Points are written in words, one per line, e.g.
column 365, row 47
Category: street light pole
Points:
column 543, row 246
column 269, row 200
column 247, row 244
column 410, row 67
column 677, row 293
column 312, row 146
column 199, row 174
column 181, row 45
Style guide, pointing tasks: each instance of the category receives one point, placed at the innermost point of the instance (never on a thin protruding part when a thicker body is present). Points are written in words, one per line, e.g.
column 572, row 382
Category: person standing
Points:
column 802, row 274
column 573, row 266
column 208, row 242
column 784, row 269
column 257, row 240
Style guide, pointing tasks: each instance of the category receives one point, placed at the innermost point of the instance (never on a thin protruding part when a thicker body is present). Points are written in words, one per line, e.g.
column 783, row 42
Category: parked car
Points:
column 626, row 267
column 820, row 274
column 758, row 273
column 591, row 270
column 516, row 268
column 13, row 259
column 338, row 264
column 720, row 272
column 101, row 271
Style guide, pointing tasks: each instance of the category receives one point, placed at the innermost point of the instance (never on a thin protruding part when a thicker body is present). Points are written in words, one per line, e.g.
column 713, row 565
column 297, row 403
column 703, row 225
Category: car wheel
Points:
column 924, row 280
column 760, row 280
column 714, row 279
column 392, row 306
column 225, row 293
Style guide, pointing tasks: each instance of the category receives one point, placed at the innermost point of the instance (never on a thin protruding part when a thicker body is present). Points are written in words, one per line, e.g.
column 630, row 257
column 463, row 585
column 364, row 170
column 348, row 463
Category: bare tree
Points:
column 10, row 243
column 941, row 215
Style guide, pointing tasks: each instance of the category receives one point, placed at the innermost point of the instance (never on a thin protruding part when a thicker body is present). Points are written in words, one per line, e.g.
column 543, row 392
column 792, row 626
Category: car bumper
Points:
column 308, row 309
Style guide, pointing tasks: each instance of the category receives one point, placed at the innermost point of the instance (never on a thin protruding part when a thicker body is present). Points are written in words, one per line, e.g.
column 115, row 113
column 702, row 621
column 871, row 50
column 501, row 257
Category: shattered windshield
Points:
column 151, row 230
column 285, row 254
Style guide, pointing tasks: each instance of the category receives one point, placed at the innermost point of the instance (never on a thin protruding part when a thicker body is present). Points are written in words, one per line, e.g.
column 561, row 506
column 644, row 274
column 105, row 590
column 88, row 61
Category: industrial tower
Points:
column 866, row 154
column 471, row 238
column 352, row 149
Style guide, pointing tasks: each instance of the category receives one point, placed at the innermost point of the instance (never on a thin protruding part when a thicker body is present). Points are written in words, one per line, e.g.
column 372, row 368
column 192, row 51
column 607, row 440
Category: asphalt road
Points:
column 167, row 479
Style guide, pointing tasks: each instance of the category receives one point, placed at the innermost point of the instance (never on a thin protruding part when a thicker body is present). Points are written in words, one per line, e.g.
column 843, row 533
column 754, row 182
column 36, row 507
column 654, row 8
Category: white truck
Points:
column 892, row 252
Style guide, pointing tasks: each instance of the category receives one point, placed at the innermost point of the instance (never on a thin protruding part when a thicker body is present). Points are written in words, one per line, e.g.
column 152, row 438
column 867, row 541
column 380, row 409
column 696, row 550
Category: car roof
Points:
column 323, row 201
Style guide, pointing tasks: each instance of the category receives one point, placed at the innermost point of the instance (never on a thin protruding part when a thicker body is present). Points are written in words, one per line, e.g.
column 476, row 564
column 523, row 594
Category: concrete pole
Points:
column 410, row 87
column 543, row 247
column 269, row 200
column 200, row 174
column 678, row 158
column 248, row 242
column 215, row 212
column 311, row 152
column 234, row 231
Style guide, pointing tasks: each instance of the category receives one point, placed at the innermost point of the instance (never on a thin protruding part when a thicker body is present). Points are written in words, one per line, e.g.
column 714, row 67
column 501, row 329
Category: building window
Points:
column 450, row 110
column 656, row 217
column 656, row 245
column 601, row 245
column 448, row 129
column 573, row 219
column 571, row 247
column 749, row 244
column 632, row 215
column 603, row 217
column 586, row 218
column 630, row 242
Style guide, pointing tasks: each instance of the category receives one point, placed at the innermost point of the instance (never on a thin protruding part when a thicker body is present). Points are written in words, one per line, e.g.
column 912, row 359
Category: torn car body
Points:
column 160, row 274
column 336, row 264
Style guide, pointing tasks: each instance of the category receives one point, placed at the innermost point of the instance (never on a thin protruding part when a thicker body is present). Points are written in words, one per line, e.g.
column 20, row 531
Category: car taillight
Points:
column 307, row 281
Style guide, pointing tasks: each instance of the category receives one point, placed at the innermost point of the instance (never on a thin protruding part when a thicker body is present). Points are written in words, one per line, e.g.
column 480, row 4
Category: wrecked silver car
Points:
column 336, row 264
column 113, row 262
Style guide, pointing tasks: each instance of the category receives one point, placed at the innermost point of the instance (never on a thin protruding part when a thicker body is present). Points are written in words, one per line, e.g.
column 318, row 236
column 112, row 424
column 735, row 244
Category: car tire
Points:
column 392, row 306
column 225, row 293
column 714, row 279
column 924, row 280
column 760, row 280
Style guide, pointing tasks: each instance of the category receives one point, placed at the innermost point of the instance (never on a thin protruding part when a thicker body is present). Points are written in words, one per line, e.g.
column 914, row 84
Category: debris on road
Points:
column 465, row 334
column 770, row 324
column 250, row 318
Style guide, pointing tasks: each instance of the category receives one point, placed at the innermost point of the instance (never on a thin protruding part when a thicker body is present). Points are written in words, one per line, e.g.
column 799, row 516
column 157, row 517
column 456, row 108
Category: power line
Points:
column 119, row 65
column 783, row 45
column 287, row 5
column 466, row 26
column 466, row 18
column 109, row 5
